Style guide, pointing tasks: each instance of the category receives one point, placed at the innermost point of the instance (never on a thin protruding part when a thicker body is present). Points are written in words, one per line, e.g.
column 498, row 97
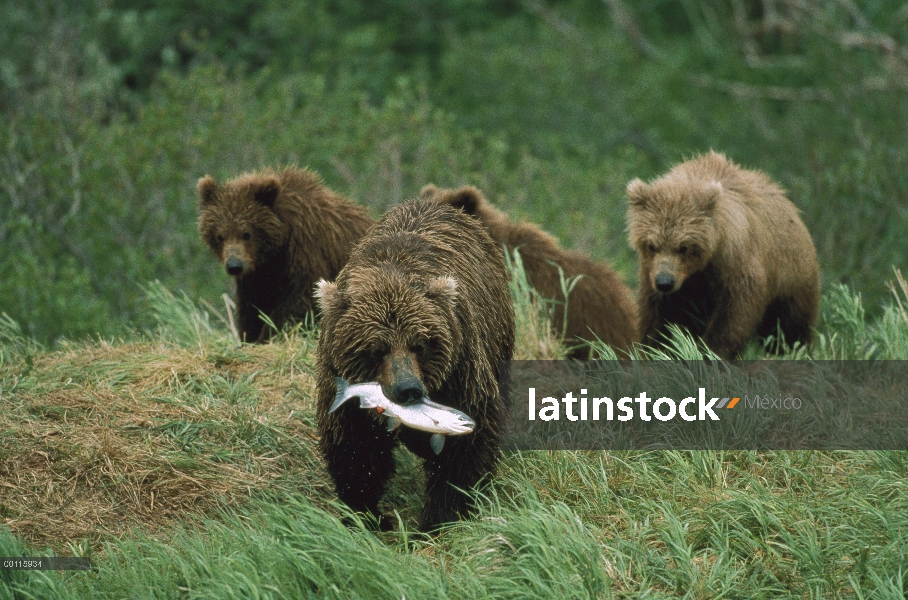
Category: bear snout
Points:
column 234, row 266
column 400, row 378
column 665, row 282
column 408, row 391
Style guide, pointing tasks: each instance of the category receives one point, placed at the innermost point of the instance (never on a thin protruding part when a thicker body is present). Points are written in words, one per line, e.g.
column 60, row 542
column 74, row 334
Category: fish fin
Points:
column 393, row 423
column 339, row 398
column 437, row 441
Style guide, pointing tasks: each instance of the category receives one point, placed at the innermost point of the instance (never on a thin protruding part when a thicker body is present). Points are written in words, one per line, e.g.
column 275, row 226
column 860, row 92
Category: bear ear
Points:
column 428, row 191
column 329, row 296
column 466, row 199
column 637, row 193
column 711, row 194
column 443, row 288
column 207, row 187
column 266, row 192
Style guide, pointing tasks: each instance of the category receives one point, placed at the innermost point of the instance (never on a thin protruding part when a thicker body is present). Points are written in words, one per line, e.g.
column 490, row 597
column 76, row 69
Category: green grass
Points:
column 555, row 524
column 222, row 438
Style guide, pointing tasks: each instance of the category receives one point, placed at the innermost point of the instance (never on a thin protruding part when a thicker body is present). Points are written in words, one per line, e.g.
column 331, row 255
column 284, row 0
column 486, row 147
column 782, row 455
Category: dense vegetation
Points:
column 113, row 109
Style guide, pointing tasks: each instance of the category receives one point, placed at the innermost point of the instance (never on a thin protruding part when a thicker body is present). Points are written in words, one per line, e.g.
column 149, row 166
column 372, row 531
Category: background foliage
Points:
column 111, row 110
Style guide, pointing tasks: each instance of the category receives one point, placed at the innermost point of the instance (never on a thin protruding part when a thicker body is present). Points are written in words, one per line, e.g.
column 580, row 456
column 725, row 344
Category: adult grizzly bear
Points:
column 423, row 308
column 600, row 305
column 277, row 233
column 723, row 253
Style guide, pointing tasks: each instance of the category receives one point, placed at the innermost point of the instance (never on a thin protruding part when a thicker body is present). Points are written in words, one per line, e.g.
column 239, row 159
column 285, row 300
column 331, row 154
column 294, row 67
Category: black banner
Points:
column 706, row 405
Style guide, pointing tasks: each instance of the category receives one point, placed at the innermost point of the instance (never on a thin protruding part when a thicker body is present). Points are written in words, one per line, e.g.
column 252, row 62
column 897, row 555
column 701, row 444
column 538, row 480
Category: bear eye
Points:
column 682, row 250
column 220, row 238
column 373, row 356
column 246, row 236
column 651, row 246
column 419, row 347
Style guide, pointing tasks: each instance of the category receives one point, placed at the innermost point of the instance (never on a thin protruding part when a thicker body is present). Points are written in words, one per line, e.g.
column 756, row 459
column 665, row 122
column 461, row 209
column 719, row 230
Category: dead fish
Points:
column 426, row 415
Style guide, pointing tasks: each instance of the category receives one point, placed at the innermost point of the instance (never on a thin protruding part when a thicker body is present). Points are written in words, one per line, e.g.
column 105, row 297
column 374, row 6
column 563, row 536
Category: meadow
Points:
column 185, row 466
column 136, row 431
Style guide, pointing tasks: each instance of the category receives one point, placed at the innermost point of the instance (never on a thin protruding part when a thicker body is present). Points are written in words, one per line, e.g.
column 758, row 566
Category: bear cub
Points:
column 277, row 233
column 422, row 307
column 600, row 305
column 723, row 253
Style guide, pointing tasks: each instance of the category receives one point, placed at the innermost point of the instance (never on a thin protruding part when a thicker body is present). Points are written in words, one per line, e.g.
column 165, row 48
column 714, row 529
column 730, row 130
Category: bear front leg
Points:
column 462, row 464
column 251, row 328
column 733, row 324
column 652, row 323
column 358, row 455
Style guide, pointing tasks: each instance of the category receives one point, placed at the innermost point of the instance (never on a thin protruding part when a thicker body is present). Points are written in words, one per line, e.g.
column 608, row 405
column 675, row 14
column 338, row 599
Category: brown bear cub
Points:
column 277, row 233
column 722, row 253
column 600, row 305
column 423, row 308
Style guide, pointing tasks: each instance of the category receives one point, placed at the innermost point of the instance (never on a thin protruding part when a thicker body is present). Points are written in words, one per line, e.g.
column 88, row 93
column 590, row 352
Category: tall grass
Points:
column 14, row 343
column 211, row 428
column 566, row 524
column 180, row 320
column 845, row 331
column 536, row 338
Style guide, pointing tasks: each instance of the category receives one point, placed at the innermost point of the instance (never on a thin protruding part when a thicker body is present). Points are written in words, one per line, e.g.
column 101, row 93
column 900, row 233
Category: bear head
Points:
column 394, row 328
column 672, row 226
column 239, row 220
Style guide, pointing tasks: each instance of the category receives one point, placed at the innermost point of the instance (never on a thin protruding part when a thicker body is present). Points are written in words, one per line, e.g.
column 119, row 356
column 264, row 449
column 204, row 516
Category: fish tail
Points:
column 339, row 398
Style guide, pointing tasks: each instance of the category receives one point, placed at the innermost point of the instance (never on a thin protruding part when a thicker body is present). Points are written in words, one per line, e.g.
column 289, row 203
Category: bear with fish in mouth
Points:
column 423, row 309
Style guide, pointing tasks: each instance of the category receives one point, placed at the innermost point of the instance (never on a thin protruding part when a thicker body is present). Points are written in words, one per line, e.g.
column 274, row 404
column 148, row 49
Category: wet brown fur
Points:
column 422, row 302
column 600, row 305
column 297, row 231
column 748, row 262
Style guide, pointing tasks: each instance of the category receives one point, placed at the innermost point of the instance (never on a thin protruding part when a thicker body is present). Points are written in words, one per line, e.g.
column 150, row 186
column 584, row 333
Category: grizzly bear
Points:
column 722, row 253
column 277, row 233
column 423, row 308
column 599, row 306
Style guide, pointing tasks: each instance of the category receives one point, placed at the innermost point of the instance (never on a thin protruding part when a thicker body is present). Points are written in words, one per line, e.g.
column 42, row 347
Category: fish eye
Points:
column 682, row 250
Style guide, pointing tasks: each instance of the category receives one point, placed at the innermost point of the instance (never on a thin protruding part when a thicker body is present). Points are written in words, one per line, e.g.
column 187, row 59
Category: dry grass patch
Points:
column 95, row 440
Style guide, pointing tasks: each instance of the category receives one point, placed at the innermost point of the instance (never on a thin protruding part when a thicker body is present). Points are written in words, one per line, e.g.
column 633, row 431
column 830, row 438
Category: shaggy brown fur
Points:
column 722, row 253
column 600, row 305
column 423, row 308
column 277, row 233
